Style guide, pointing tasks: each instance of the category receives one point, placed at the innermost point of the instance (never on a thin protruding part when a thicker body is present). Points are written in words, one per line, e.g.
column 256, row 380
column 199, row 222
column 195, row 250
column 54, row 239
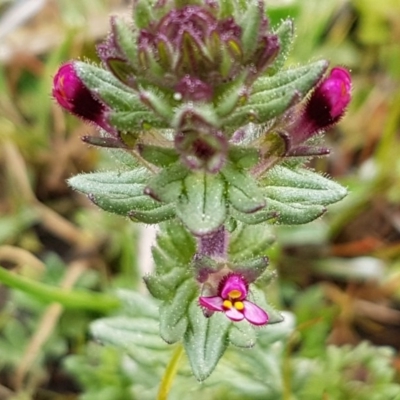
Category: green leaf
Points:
column 299, row 195
column 137, row 336
column 173, row 280
column 153, row 216
column 285, row 33
column 301, row 79
column 124, row 158
column 255, row 218
column 167, row 186
column 108, row 88
column 295, row 214
column 134, row 304
column 242, row 334
column 135, row 120
column 160, row 156
column 202, row 206
column 243, row 192
column 183, row 242
column 205, row 341
column 174, row 313
column 250, row 25
column 229, row 96
column 172, row 254
column 125, row 37
column 251, row 269
column 227, row 8
column 119, row 192
column 167, row 257
column 158, row 102
column 243, row 157
column 271, row 96
column 249, row 241
column 187, row 112
column 164, row 286
column 142, row 13
column 301, row 186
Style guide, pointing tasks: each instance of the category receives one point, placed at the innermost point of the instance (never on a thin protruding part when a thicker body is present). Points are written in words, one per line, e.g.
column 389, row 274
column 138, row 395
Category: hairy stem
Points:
column 170, row 372
column 215, row 244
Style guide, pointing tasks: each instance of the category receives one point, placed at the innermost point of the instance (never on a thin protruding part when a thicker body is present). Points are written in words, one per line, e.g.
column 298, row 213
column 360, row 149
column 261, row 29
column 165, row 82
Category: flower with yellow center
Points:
column 232, row 300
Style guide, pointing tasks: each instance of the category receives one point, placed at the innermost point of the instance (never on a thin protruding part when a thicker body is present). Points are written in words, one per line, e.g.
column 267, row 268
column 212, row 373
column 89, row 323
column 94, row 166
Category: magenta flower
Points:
column 330, row 99
column 71, row 93
column 327, row 104
column 232, row 300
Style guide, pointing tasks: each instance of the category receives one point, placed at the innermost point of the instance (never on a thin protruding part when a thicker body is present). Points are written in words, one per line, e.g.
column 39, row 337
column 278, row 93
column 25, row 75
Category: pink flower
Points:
column 71, row 93
column 327, row 104
column 330, row 99
column 232, row 300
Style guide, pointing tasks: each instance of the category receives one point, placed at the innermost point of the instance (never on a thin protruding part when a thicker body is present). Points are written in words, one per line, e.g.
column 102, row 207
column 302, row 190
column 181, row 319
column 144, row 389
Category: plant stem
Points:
column 170, row 373
column 75, row 299
column 214, row 244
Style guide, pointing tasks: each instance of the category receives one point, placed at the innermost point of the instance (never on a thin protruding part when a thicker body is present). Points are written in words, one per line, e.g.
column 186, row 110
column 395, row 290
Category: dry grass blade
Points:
column 47, row 324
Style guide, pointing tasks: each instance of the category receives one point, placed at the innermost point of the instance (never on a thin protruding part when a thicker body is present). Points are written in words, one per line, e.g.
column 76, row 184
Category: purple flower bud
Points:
column 193, row 21
column 194, row 89
column 114, row 57
column 71, row 93
column 189, row 41
column 330, row 99
column 267, row 52
column 232, row 301
column 202, row 150
column 327, row 104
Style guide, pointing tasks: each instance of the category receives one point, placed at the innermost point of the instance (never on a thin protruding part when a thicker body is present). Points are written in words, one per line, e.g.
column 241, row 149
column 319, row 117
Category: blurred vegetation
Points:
column 339, row 276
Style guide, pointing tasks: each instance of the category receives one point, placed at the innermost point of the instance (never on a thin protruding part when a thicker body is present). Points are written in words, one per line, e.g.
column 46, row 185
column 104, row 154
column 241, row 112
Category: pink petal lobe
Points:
column 254, row 314
column 234, row 314
column 213, row 303
column 234, row 282
column 342, row 75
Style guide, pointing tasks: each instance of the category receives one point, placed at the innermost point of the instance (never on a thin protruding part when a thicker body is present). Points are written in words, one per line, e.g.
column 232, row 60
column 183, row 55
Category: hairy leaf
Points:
column 119, row 192
column 243, row 192
column 202, row 207
column 271, row 96
column 299, row 195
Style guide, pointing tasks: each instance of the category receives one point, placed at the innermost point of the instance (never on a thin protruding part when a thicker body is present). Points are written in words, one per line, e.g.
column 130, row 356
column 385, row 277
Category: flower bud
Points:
column 193, row 89
column 71, row 93
column 202, row 150
column 330, row 99
column 327, row 104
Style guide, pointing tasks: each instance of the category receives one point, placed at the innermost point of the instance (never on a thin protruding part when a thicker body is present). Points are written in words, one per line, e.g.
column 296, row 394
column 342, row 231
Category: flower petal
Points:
column 234, row 314
column 254, row 314
column 213, row 303
column 234, row 282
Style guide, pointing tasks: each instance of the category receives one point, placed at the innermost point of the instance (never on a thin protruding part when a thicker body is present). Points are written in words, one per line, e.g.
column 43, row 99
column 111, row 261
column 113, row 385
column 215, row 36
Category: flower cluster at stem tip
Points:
column 177, row 77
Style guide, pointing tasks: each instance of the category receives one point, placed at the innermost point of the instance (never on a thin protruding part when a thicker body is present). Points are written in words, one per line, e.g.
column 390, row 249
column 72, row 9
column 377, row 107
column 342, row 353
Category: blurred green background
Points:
column 339, row 276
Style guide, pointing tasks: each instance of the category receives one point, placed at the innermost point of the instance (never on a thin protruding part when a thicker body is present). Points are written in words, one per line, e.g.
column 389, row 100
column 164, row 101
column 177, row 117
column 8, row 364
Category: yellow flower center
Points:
column 233, row 300
column 239, row 305
column 234, row 294
column 227, row 304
